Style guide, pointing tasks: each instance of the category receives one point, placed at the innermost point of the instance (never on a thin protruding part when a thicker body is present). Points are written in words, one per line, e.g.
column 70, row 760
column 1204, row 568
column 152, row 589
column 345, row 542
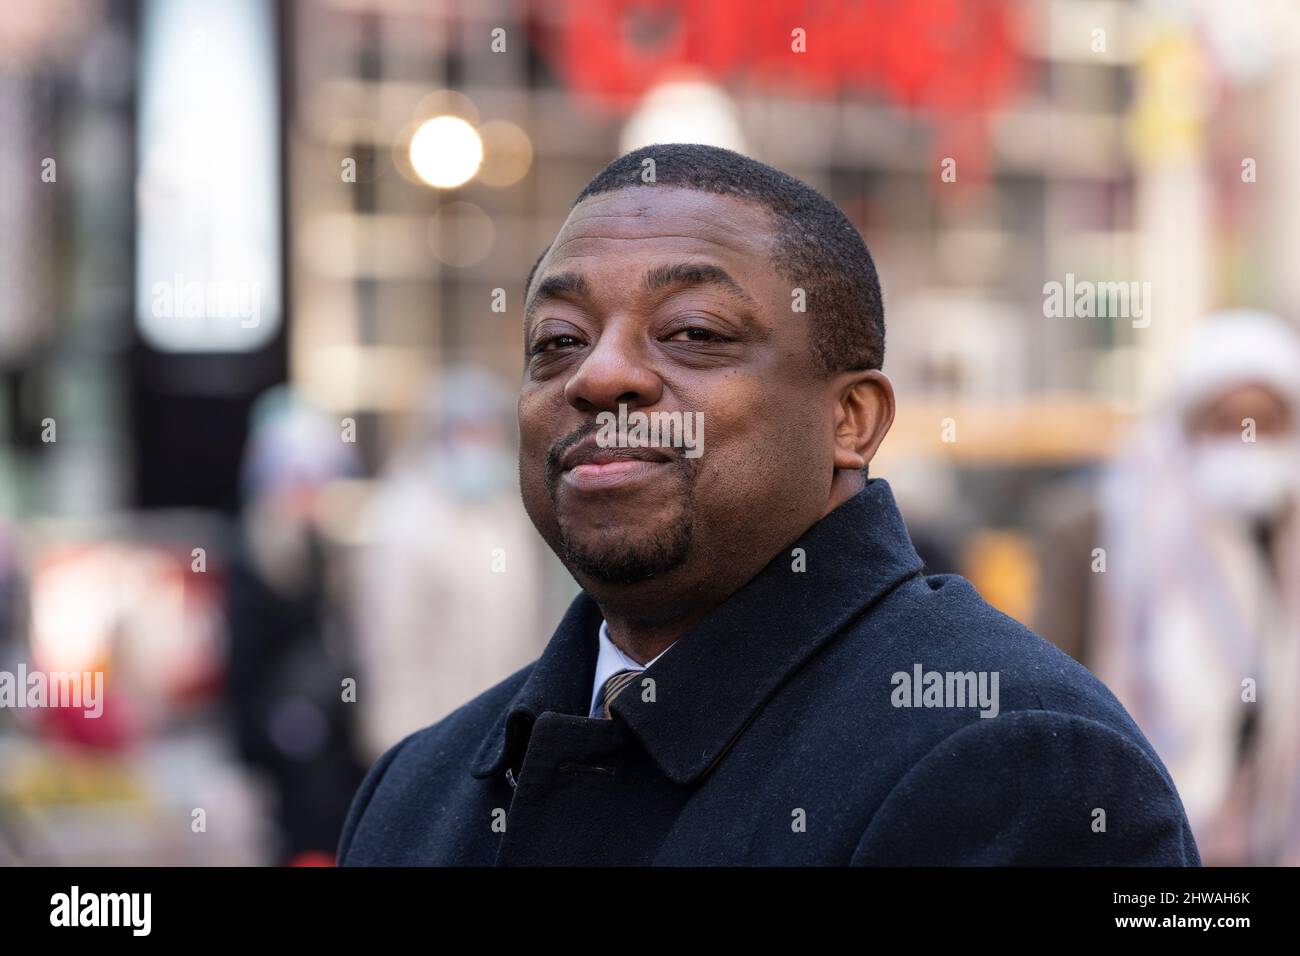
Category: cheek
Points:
column 536, row 421
column 759, row 429
column 536, row 435
column 535, row 438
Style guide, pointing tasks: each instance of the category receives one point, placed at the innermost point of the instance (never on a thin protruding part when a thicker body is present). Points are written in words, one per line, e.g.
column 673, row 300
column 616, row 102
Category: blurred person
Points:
column 449, row 576
column 757, row 670
column 1197, row 619
column 289, row 650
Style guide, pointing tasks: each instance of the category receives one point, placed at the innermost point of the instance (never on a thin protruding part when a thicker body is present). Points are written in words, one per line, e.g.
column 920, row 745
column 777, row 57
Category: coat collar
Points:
column 722, row 671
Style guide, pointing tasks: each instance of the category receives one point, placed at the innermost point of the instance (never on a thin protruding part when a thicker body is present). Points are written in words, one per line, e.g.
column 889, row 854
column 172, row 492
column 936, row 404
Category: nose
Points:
column 614, row 372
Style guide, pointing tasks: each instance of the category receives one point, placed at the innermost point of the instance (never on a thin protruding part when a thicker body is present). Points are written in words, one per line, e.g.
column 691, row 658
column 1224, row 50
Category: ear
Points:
column 864, row 410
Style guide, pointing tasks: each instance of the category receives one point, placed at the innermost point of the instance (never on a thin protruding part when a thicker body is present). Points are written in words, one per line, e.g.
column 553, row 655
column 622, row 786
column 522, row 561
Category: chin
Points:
column 615, row 556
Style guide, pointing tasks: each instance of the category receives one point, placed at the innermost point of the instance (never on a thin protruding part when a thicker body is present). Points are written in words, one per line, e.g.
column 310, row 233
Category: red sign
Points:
column 941, row 55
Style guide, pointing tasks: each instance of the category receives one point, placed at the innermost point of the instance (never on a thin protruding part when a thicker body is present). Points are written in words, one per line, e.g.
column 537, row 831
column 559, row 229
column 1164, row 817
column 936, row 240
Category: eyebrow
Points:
column 571, row 285
column 563, row 285
column 692, row 274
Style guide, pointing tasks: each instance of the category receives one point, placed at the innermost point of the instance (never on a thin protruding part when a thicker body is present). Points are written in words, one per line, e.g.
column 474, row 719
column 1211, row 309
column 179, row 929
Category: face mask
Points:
column 1246, row 480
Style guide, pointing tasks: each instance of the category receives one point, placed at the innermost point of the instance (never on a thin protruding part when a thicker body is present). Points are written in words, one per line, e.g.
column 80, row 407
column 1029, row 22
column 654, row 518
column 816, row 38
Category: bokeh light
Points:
column 446, row 152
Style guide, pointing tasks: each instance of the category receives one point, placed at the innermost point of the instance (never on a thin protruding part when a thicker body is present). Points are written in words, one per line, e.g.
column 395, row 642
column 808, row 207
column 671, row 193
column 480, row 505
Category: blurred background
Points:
column 261, row 271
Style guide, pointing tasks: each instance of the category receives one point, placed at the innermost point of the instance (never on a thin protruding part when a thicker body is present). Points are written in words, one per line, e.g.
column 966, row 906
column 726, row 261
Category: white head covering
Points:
column 1238, row 347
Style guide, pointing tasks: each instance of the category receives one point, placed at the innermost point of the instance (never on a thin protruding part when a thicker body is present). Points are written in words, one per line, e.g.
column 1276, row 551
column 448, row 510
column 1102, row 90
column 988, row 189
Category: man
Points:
column 808, row 695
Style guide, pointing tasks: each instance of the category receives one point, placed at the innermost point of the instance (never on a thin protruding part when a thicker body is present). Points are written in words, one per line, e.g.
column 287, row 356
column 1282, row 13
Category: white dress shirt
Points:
column 609, row 662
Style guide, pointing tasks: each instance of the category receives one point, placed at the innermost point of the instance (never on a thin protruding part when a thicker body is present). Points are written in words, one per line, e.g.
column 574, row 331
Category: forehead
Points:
column 659, row 220
column 1226, row 410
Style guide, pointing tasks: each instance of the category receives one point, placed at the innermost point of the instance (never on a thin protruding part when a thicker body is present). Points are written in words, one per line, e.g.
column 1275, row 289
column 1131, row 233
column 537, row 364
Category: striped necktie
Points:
column 614, row 685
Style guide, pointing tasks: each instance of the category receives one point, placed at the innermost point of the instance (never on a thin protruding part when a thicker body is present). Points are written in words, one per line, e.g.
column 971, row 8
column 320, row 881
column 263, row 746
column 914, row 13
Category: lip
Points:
column 611, row 474
column 589, row 467
column 589, row 453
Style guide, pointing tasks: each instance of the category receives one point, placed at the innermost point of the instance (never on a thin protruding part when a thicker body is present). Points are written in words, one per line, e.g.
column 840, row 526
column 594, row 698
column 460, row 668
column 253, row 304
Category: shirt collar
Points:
column 610, row 660
column 726, row 667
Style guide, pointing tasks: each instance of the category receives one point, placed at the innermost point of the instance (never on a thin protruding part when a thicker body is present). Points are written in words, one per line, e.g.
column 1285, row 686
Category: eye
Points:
column 696, row 333
column 555, row 343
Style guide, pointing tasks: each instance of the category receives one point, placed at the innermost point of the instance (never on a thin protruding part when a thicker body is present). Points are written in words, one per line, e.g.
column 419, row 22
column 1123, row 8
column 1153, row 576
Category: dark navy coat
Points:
column 775, row 733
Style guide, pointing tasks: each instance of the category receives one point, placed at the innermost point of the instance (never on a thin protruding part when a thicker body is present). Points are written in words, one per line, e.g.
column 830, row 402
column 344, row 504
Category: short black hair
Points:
column 817, row 248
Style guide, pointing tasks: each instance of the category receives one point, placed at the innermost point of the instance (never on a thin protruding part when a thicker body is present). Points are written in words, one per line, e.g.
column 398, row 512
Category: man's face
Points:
column 668, row 300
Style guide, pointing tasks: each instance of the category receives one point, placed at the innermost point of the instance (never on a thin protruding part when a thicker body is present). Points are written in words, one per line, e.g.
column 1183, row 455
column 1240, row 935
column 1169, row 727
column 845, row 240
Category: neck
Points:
column 643, row 644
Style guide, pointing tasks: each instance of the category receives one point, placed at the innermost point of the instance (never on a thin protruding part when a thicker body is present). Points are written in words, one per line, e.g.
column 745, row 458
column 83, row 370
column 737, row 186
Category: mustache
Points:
column 555, row 456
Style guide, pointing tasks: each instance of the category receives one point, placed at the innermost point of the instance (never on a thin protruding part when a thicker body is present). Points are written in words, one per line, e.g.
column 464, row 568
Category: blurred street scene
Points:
column 261, row 298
